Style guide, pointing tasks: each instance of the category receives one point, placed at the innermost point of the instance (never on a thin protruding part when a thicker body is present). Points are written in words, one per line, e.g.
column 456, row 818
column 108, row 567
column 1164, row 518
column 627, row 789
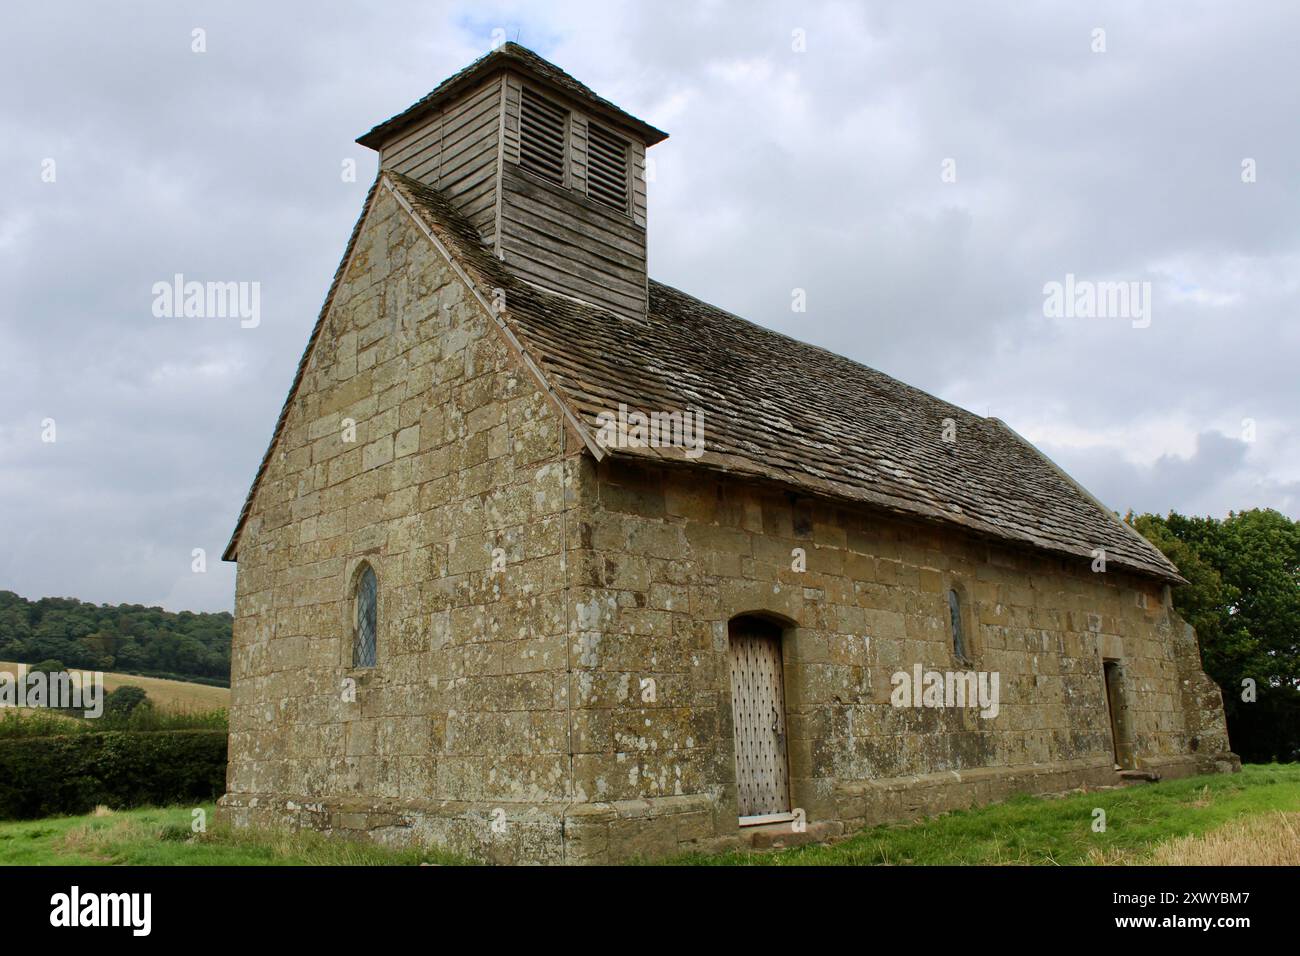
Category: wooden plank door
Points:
column 758, row 716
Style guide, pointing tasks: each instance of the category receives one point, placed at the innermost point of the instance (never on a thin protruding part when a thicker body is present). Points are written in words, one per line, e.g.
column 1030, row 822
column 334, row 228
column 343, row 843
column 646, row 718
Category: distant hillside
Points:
column 168, row 696
column 128, row 638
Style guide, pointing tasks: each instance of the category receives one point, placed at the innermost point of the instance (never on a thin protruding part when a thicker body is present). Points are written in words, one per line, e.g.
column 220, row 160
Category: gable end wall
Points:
column 457, row 452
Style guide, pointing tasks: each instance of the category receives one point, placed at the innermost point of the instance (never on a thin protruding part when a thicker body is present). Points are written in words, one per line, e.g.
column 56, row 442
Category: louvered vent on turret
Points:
column 606, row 167
column 550, row 175
column 543, row 130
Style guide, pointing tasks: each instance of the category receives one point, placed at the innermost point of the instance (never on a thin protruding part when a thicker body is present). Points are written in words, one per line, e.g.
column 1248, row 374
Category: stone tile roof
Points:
column 524, row 59
column 780, row 409
column 777, row 409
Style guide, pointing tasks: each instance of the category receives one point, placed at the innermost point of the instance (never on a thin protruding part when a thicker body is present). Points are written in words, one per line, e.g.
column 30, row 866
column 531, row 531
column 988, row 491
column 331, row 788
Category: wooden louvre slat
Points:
column 542, row 129
column 606, row 168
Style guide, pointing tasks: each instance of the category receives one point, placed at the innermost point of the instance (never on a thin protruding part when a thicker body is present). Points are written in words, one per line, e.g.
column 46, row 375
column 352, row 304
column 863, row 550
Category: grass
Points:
column 163, row 837
column 1140, row 822
column 1268, row 840
column 167, row 695
column 38, row 722
column 1250, row 818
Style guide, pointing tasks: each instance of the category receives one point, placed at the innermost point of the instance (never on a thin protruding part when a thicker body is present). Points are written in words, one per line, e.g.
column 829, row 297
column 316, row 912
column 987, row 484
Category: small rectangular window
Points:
column 543, row 133
column 606, row 167
column 365, row 640
column 958, row 632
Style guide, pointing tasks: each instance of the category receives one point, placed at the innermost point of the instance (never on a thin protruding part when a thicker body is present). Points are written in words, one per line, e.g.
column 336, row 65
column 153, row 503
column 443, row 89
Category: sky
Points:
column 922, row 171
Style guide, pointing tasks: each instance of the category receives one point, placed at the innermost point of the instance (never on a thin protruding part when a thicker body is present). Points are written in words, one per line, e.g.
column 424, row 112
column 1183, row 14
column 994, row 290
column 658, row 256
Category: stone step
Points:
column 1134, row 778
column 778, row 836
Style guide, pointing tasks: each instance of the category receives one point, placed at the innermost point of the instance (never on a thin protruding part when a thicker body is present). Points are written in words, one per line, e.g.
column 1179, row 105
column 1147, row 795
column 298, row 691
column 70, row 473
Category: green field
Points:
column 170, row 696
column 1253, row 817
column 164, row 837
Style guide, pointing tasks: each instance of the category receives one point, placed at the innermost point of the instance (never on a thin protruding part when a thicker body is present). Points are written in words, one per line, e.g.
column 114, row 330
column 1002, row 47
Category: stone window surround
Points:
column 352, row 572
column 969, row 620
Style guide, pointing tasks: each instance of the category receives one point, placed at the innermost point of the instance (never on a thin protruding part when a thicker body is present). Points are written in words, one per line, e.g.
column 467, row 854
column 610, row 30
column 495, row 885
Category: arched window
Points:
column 365, row 600
column 958, row 633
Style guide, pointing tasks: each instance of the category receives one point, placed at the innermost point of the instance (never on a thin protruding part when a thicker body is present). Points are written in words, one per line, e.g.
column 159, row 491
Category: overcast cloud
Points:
column 818, row 170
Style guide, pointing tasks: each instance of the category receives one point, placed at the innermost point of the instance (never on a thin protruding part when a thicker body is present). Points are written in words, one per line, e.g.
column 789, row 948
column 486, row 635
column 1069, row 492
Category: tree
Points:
column 1243, row 598
column 124, row 701
column 125, row 637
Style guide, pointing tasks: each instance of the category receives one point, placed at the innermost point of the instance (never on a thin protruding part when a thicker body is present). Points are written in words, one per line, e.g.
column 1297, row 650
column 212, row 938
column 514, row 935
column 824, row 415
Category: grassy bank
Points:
column 163, row 837
column 1251, row 818
column 1140, row 821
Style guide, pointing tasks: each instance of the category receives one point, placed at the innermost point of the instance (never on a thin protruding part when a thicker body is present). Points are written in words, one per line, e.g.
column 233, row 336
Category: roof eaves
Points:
column 833, row 492
column 1159, row 560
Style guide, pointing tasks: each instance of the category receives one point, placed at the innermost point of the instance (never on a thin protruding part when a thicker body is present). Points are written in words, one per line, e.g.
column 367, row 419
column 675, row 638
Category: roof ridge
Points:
column 528, row 61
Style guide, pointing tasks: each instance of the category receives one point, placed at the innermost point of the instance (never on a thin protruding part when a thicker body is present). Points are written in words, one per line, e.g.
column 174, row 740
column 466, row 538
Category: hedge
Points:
column 74, row 773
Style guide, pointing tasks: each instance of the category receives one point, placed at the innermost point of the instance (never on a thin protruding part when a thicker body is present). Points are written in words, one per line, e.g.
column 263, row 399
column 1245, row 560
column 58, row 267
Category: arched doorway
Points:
column 758, row 720
column 1117, row 710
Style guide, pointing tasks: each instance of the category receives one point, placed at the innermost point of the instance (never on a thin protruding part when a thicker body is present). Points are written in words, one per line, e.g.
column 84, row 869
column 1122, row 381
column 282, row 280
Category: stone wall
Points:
column 669, row 557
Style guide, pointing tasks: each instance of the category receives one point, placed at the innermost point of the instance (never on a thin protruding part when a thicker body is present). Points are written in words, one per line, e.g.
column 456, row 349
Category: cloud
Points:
column 1220, row 475
column 817, row 170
